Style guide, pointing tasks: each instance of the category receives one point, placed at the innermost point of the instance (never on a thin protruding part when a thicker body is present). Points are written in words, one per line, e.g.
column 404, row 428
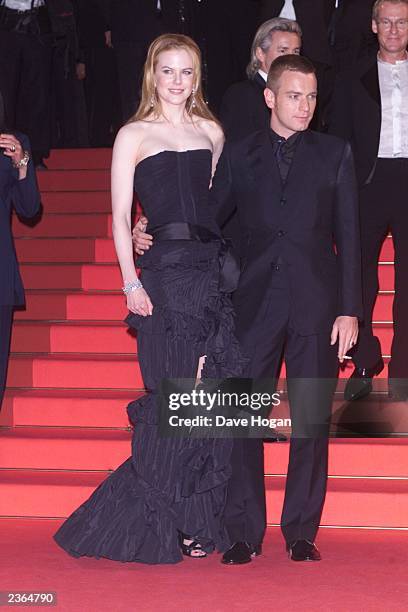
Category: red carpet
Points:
column 361, row 570
column 73, row 369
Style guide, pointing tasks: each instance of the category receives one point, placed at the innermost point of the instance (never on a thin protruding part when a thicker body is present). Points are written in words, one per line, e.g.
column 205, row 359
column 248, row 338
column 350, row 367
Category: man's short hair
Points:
column 293, row 63
column 263, row 39
column 378, row 3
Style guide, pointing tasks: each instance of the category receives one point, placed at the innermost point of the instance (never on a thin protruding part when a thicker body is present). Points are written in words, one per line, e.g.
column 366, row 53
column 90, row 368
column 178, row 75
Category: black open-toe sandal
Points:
column 188, row 549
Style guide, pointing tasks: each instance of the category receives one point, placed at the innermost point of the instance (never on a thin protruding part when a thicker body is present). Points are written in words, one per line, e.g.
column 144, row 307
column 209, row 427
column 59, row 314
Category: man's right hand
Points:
column 141, row 241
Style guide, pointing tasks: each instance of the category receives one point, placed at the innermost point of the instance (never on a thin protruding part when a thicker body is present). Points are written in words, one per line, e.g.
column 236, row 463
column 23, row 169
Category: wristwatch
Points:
column 24, row 161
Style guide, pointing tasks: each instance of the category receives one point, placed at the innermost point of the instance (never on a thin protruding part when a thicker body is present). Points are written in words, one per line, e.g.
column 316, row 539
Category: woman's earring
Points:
column 193, row 100
column 152, row 101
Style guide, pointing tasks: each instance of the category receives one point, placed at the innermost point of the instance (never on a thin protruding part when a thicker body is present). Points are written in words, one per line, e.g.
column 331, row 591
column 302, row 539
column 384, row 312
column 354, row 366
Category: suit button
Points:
column 277, row 268
column 281, row 233
column 283, row 202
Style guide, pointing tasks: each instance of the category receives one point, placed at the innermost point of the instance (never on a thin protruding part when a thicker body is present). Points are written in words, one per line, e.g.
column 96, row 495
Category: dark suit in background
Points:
column 350, row 35
column 292, row 288
column 23, row 195
column 356, row 116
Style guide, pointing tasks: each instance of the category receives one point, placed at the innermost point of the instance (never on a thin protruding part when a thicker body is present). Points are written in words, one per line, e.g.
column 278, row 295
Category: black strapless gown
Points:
column 168, row 485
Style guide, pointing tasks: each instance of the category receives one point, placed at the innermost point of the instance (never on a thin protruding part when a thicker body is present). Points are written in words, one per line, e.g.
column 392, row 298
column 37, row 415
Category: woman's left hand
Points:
column 12, row 147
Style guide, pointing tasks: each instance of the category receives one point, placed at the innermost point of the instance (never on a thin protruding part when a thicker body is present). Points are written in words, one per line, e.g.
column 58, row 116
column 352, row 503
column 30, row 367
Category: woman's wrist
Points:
column 130, row 286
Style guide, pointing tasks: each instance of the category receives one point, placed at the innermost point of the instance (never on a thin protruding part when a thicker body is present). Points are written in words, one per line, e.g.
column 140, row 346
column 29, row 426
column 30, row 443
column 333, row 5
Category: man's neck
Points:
column 392, row 58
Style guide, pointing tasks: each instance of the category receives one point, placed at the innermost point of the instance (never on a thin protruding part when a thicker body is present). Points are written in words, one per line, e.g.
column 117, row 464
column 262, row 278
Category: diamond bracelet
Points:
column 132, row 286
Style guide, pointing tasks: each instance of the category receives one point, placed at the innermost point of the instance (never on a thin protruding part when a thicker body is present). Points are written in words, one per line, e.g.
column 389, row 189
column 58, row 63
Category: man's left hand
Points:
column 345, row 330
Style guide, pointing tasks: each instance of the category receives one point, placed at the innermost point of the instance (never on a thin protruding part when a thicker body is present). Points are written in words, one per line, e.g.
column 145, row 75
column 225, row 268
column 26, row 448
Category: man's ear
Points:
column 260, row 56
column 269, row 98
column 374, row 26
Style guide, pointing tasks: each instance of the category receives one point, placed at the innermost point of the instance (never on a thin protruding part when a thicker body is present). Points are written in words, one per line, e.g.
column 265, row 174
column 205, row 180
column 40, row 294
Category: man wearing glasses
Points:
column 370, row 109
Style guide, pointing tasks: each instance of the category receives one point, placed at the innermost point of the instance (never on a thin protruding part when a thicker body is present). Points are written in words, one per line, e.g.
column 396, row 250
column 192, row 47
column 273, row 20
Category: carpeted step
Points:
column 71, row 276
column 66, row 407
column 89, row 305
column 77, row 159
column 65, row 250
column 351, row 502
column 69, row 337
column 74, row 371
column 76, row 201
column 74, row 180
column 104, row 449
column 361, row 457
column 387, row 250
column 63, row 449
column 75, row 225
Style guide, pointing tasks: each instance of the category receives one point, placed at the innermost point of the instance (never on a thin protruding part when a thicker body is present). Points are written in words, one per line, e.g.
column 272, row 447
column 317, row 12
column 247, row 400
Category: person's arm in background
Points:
column 24, row 192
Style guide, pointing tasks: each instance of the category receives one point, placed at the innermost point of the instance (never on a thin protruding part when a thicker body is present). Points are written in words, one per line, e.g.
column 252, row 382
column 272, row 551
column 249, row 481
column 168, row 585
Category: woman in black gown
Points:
column 168, row 498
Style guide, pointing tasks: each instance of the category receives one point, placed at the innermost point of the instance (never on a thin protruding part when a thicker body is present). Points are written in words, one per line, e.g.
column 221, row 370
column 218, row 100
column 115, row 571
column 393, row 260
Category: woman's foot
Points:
column 191, row 547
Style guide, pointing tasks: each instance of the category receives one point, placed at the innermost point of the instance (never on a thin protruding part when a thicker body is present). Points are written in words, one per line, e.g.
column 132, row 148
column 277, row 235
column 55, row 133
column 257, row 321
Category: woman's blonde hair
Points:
column 150, row 104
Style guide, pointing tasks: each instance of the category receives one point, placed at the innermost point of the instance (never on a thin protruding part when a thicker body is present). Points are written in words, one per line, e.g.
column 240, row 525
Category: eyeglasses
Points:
column 387, row 24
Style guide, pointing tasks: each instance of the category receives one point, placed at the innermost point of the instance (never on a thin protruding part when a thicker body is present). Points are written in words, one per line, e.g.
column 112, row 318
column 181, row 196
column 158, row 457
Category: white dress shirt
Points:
column 263, row 74
column 288, row 11
column 394, row 109
column 22, row 5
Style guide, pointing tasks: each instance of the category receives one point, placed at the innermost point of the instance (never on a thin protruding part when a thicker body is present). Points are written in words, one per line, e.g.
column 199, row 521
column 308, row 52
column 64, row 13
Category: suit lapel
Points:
column 262, row 166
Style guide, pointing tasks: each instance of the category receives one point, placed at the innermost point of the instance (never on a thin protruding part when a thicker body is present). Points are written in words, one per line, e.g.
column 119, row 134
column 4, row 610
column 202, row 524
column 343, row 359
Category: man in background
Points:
column 370, row 110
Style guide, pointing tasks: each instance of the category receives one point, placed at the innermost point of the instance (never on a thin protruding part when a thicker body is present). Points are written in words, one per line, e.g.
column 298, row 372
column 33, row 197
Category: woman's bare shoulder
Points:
column 213, row 130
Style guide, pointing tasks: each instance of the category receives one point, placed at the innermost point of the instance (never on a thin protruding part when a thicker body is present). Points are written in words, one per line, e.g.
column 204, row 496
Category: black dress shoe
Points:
column 238, row 554
column 303, row 550
column 360, row 382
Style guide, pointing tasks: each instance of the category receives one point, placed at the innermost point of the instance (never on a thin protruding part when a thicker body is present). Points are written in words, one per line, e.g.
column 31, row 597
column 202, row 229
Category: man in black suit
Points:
column 243, row 108
column 369, row 109
column 313, row 18
column 294, row 193
column 350, row 35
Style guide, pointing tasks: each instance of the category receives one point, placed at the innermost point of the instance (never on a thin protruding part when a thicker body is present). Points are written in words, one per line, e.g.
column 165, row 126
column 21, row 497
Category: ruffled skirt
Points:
column 169, row 484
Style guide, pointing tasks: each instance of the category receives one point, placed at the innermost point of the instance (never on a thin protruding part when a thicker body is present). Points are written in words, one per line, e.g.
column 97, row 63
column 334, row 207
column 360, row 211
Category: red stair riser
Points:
column 354, row 507
column 363, row 457
column 66, row 409
column 47, row 452
column 74, row 180
column 81, row 306
column 53, row 338
column 387, row 250
column 76, row 201
column 97, row 225
column 66, row 250
column 74, row 373
column 75, row 276
column 66, row 159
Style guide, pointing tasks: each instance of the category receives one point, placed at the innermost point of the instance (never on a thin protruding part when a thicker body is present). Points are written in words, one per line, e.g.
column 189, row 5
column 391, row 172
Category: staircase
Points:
column 73, row 369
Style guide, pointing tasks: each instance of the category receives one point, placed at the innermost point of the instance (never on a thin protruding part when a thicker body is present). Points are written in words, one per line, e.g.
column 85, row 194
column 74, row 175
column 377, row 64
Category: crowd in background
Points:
column 70, row 70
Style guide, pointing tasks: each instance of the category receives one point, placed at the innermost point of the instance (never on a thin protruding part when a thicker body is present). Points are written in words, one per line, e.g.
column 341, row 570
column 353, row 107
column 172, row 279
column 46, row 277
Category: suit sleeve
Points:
column 24, row 193
column 347, row 238
column 221, row 193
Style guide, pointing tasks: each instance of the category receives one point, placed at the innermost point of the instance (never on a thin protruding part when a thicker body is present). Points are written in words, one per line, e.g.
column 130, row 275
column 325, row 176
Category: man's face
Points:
column 283, row 43
column 293, row 104
column 391, row 27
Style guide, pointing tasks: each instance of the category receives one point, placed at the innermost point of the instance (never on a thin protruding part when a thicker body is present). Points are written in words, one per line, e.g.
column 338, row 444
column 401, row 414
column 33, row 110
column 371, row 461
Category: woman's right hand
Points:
column 139, row 302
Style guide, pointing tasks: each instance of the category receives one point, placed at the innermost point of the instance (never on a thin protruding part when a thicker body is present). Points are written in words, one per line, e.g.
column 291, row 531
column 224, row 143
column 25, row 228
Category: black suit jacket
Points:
column 313, row 17
column 356, row 114
column 243, row 109
column 297, row 223
column 23, row 195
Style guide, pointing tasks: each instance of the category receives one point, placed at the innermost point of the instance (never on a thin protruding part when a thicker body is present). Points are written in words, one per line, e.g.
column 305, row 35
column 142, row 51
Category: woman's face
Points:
column 174, row 76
